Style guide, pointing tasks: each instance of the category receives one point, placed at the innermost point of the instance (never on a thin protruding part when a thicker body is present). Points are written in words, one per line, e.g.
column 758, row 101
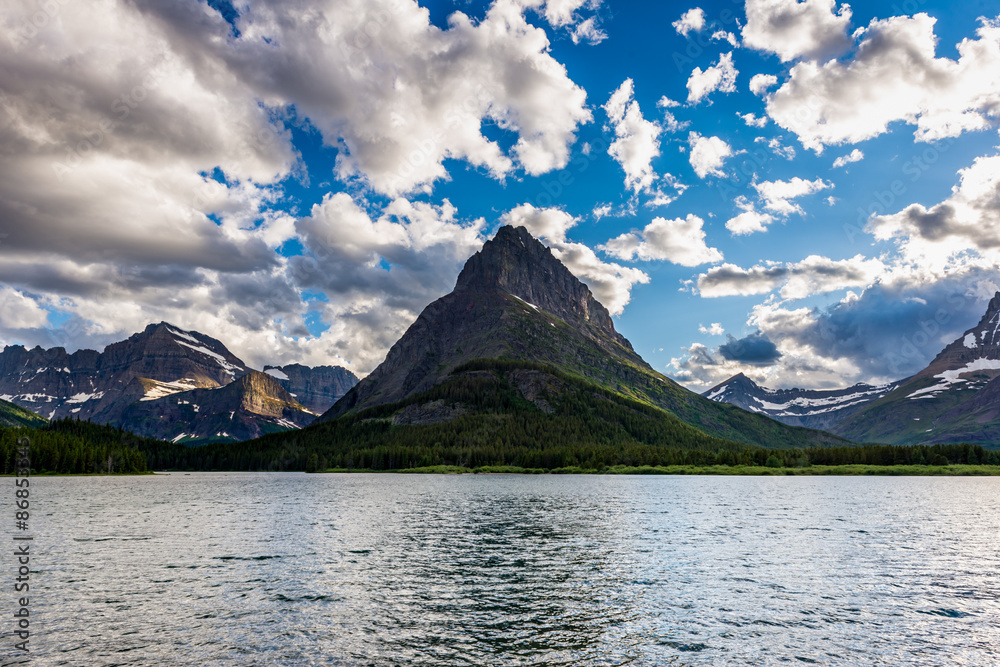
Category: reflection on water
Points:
column 292, row 569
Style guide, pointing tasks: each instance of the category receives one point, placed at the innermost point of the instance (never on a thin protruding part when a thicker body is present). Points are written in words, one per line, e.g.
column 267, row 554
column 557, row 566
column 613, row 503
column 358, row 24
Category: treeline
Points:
column 73, row 447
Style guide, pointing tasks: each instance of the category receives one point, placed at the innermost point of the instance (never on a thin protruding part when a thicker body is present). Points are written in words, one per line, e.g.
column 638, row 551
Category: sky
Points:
column 805, row 192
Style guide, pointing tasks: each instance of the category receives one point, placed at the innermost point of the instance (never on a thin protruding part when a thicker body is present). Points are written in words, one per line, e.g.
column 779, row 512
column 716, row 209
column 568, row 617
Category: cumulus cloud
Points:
column 777, row 195
column 759, row 83
column 893, row 76
column 610, row 283
column 750, row 220
column 967, row 220
column 681, row 241
column 793, row 29
column 693, row 20
column 714, row 330
column 549, row 224
column 844, row 160
column 588, row 32
column 721, row 76
column 636, row 139
column 751, row 120
column 707, row 154
column 361, row 72
column 19, row 312
column 813, row 275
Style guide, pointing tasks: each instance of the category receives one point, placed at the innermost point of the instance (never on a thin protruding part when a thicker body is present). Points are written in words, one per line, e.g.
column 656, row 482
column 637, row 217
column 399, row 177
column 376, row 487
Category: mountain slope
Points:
column 158, row 361
column 251, row 406
column 316, row 388
column 515, row 302
column 129, row 380
column 14, row 416
column 819, row 409
column 954, row 399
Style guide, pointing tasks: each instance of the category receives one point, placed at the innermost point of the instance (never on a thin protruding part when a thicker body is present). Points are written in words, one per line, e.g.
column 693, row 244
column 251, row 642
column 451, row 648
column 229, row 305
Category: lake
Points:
column 295, row 569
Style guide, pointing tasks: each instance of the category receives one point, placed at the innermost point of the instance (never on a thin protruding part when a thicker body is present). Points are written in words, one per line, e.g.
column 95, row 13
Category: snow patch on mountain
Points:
column 953, row 376
column 277, row 373
column 970, row 340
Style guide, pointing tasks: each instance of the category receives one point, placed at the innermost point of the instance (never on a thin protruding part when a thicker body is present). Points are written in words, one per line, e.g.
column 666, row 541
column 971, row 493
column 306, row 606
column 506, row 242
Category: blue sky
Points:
column 299, row 179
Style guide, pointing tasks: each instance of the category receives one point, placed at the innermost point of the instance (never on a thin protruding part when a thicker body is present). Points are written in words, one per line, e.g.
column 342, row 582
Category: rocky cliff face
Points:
column 316, row 388
column 252, row 406
column 160, row 360
column 164, row 361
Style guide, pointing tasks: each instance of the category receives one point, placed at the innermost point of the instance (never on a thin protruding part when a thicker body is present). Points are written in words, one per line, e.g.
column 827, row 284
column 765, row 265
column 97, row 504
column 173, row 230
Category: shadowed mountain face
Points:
column 155, row 373
column 160, row 360
column 316, row 388
column 251, row 406
column 812, row 408
column 955, row 399
column 515, row 302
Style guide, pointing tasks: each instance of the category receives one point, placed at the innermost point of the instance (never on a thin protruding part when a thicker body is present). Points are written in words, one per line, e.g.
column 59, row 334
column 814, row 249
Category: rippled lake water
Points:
column 294, row 569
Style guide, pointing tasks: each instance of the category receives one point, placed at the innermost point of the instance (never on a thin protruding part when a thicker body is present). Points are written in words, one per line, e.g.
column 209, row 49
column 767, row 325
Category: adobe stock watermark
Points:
column 22, row 545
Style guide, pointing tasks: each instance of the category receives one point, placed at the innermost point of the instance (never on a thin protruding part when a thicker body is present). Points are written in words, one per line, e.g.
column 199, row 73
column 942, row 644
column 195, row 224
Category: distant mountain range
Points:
column 956, row 398
column 812, row 408
column 165, row 382
column 525, row 331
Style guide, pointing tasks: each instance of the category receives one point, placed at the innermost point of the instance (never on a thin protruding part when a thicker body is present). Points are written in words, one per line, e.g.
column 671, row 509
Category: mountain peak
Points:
column 516, row 263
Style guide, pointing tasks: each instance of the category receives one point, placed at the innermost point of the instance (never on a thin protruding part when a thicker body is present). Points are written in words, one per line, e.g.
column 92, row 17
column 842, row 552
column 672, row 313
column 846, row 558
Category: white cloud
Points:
column 759, row 83
column 707, row 154
column 693, row 20
column 20, row 312
column 588, row 32
column 750, row 220
column 968, row 220
column 559, row 12
column 637, row 139
column 610, row 283
column 723, row 36
column 751, row 120
column 681, row 241
column 813, row 275
column 844, row 160
column 720, row 76
column 794, row 29
column 670, row 123
column 776, row 195
column 549, row 224
column 714, row 330
column 894, row 76
column 774, row 145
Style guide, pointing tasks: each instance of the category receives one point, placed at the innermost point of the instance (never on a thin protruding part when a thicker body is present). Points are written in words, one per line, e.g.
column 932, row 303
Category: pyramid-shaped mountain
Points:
column 956, row 398
column 519, row 324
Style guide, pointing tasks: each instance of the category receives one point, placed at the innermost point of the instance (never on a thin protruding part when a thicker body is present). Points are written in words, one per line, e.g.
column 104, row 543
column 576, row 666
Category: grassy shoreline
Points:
column 759, row 471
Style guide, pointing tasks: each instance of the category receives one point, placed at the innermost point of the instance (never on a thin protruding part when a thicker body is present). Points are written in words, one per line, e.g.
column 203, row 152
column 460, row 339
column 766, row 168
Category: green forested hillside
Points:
column 73, row 447
column 15, row 415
